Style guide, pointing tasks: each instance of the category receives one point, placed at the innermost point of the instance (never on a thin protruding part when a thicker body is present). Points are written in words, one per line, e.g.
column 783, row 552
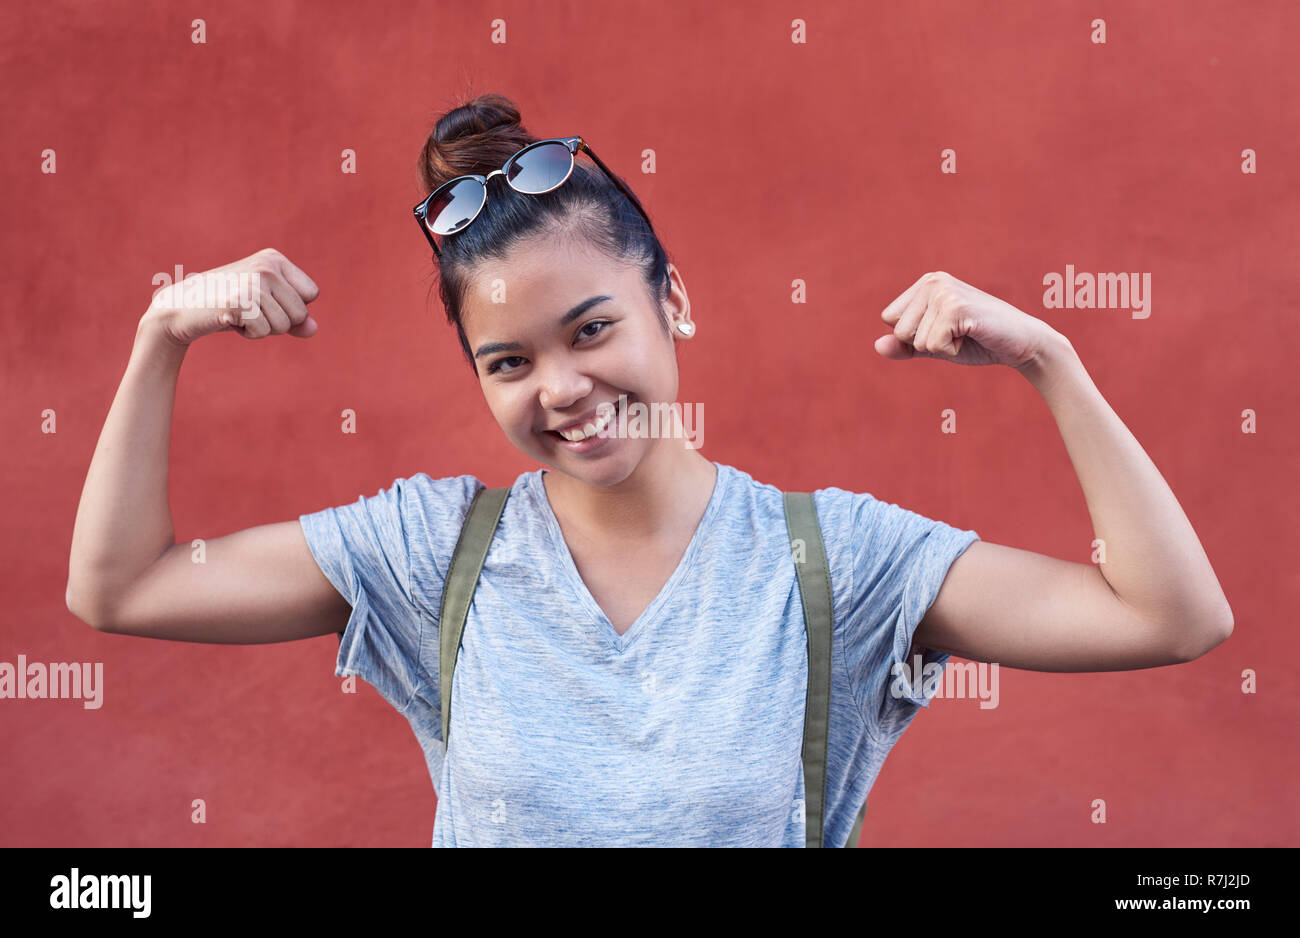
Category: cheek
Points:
column 649, row 355
column 500, row 411
column 514, row 419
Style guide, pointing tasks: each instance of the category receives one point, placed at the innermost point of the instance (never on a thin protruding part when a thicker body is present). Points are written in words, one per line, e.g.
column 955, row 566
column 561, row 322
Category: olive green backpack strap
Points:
column 814, row 577
column 457, row 592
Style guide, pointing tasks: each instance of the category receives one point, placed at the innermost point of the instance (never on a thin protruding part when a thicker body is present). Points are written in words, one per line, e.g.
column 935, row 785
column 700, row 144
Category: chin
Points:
column 602, row 471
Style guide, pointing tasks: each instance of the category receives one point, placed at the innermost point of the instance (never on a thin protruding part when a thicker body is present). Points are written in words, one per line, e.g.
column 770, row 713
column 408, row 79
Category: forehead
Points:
column 537, row 282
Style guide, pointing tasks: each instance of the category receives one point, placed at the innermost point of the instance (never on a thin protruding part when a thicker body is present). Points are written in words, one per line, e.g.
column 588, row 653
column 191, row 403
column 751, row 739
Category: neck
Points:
column 668, row 490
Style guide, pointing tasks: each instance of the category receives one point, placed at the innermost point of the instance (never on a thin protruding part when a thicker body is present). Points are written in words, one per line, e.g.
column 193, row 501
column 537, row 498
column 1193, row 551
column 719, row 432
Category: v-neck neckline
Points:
column 580, row 589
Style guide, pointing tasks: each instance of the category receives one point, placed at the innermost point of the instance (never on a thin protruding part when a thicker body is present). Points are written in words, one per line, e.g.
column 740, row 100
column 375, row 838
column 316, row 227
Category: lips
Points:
column 590, row 418
column 579, row 423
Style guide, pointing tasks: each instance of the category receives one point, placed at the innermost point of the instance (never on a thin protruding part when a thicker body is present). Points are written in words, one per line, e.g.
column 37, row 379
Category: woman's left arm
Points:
column 1155, row 599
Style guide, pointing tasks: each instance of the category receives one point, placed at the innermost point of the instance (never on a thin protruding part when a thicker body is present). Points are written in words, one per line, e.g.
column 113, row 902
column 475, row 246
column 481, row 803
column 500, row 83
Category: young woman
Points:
column 633, row 668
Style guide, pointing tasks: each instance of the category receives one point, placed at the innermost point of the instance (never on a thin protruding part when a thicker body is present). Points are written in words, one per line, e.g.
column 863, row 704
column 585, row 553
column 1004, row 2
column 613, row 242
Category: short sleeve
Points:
column 387, row 555
column 887, row 566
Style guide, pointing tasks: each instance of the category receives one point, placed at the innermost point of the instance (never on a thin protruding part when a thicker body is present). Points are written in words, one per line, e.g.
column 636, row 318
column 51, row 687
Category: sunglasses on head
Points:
column 539, row 167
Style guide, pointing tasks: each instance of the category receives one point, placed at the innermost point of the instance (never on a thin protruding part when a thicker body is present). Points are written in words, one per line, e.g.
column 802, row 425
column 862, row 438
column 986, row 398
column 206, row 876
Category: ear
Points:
column 677, row 306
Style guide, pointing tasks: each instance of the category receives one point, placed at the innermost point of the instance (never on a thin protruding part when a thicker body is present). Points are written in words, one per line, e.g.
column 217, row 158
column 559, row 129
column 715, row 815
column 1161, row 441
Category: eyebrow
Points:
column 567, row 318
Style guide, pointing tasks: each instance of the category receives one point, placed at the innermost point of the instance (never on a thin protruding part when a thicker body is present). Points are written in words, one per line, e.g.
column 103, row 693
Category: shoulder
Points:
column 835, row 506
column 410, row 504
column 874, row 531
column 441, row 492
column 762, row 500
column 440, row 505
column 408, row 509
column 431, row 512
column 757, row 513
column 743, row 489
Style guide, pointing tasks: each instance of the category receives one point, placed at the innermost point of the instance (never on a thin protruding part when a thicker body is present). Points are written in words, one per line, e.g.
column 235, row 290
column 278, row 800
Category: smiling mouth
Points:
column 597, row 423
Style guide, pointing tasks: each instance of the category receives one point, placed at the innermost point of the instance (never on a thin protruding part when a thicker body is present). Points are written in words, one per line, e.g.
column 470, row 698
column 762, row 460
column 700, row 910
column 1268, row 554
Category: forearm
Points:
column 124, row 520
column 1154, row 561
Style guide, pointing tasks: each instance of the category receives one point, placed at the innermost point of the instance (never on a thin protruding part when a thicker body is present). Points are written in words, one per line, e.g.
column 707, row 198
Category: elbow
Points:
column 1209, row 637
column 86, row 613
column 74, row 606
column 1227, row 624
column 1224, row 622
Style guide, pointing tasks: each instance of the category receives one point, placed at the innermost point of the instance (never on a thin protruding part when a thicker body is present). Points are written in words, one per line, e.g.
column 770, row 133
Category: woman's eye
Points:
column 496, row 365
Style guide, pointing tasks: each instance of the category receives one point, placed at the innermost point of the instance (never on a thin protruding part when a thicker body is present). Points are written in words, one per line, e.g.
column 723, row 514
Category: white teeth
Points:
column 590, row 430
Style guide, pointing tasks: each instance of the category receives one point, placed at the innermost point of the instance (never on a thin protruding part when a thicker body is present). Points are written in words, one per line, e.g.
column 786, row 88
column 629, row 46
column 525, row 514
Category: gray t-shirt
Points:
column 684, row 731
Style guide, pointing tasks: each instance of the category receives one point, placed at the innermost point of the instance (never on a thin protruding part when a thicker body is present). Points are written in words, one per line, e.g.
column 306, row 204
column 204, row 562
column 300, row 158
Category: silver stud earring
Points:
column 686, row 328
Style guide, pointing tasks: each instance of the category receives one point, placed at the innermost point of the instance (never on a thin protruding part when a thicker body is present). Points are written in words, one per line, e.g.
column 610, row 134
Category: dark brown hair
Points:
column 478, row 137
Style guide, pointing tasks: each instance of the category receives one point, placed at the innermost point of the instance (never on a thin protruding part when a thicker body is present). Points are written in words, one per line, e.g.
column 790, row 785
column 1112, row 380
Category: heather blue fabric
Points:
column 686, row 730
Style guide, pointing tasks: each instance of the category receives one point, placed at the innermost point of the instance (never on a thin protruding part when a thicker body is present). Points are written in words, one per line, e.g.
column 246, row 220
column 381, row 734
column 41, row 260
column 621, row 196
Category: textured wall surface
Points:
column 780, row 153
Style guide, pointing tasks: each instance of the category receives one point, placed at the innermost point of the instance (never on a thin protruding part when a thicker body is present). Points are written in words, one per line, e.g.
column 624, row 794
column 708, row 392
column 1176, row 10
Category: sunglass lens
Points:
column 541, row 168
column 455, row 207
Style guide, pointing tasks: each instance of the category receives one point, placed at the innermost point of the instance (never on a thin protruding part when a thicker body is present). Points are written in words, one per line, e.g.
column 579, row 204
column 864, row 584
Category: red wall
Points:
column 776, row 161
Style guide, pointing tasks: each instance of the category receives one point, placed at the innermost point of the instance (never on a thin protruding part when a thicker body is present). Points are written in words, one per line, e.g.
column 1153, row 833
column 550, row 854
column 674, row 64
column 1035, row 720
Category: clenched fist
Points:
column 262, row 294
column 940, row 316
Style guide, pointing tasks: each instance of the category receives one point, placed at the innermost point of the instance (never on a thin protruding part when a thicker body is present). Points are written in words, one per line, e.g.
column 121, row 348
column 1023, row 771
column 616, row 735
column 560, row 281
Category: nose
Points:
column 561, row 385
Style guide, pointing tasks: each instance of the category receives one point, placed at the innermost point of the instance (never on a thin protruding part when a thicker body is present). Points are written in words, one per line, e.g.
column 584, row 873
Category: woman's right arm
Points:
column 126, row 574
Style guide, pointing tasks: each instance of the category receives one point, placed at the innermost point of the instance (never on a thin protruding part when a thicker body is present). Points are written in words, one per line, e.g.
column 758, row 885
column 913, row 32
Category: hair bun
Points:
column 476, row 137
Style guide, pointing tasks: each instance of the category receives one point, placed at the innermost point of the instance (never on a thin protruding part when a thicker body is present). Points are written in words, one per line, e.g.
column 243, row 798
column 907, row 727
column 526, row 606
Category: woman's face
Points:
column 578, row 331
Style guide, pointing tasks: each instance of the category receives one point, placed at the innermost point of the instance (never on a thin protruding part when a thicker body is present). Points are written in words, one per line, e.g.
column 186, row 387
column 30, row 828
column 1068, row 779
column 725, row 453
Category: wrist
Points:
column 154, row 342
column 1053, row 356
